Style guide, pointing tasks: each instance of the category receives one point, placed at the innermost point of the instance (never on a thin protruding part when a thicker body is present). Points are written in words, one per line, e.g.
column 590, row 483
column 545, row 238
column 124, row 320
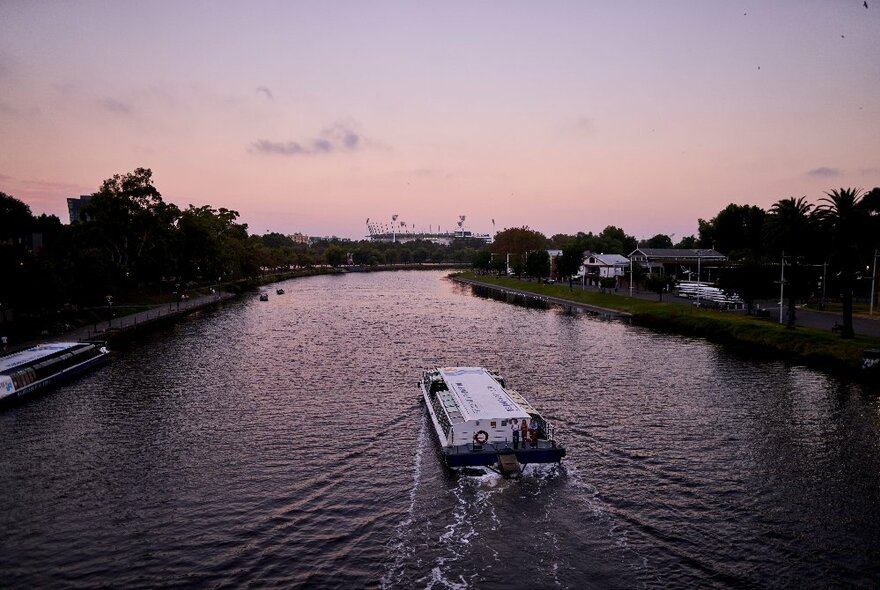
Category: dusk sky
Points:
column 563, row 116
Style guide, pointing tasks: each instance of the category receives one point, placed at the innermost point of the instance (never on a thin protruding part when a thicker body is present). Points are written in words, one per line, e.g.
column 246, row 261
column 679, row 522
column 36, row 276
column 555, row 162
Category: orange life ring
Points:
column 481, row 436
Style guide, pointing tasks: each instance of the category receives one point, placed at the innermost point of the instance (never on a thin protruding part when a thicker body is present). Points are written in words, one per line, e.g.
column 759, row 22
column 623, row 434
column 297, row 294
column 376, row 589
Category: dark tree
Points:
column 845, row 217
column 335, row 255
column 659, row 284
column 688, row 242
column 790, row 229
column 572, row 258
column 538, row 264
column 517, row 242
column 658, row 241
column 613, row 240
column 737, row 231
column 128, row 219
column 750, row 280
column 483, row 260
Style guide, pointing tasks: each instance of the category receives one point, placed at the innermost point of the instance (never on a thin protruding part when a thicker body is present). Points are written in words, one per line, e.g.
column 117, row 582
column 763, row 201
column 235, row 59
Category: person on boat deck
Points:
column 524, row 431
column 533, row 432
column 514, row 429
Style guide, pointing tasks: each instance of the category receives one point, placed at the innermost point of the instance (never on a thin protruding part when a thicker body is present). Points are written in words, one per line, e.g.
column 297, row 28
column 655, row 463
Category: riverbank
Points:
column 147, row 307
column 809, row 346
column 119, row 327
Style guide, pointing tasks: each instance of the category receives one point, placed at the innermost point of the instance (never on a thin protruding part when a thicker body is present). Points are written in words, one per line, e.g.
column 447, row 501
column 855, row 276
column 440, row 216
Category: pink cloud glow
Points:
column 564, row 117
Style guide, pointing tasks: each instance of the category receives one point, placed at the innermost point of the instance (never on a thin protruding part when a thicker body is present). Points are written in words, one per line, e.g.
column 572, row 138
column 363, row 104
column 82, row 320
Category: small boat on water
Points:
column 478, row 421
column 47, row 364
column 264, row 296
column 279, row 291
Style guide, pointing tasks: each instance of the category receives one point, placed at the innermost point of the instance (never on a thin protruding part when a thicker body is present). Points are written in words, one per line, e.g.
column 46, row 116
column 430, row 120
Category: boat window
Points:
column 493, row 424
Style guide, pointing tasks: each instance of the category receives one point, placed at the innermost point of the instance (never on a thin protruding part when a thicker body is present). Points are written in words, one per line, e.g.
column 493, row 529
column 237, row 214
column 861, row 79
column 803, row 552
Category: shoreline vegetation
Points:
column 159, row 308
column 744, row 333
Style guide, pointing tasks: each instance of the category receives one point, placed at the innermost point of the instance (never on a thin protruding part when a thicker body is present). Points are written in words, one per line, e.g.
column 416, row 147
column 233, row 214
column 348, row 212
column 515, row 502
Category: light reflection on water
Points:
column 282, row 443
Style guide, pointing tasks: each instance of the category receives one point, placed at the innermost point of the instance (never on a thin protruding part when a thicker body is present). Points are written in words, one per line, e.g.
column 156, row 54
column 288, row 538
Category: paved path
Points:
column 107, row 330
column 826, row 320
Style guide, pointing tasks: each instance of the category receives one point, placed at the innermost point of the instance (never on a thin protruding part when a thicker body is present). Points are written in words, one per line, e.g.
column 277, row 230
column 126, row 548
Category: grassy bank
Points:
column 817, row 348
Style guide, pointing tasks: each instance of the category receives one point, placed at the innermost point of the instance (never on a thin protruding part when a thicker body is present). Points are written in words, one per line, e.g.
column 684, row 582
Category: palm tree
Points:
column 846, row 219
column 789, row 227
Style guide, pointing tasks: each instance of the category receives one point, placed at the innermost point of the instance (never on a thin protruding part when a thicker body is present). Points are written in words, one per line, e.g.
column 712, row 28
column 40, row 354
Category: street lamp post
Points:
column 781, row 284
column 873, row 280
column 699, row 275
column 630, row 275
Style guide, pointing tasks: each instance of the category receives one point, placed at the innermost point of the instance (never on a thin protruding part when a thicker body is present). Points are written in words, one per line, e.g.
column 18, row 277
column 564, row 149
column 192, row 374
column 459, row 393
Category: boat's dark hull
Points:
column 465, row 456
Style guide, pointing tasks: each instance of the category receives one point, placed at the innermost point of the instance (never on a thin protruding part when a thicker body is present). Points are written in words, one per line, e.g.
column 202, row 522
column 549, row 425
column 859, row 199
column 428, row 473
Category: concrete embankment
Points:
column 604, row 312
column 821, row 349
column 128, row 325
column 118, row 328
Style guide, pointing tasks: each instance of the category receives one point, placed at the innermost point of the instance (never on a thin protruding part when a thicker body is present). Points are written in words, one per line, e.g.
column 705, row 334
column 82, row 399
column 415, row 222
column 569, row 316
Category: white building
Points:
column 602, row 266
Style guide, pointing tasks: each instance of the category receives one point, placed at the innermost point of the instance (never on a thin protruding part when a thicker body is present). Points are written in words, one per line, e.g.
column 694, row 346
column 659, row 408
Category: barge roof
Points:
column 479, row 396
column 12, row 361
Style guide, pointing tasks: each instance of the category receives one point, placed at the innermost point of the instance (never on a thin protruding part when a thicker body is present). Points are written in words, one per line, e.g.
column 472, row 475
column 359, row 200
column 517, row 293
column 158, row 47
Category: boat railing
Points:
column 496, row 446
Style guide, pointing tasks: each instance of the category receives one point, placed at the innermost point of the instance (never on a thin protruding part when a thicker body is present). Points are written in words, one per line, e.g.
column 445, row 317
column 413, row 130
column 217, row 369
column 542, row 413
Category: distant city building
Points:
column 403, row 232
column 315, row 239
column 73, row 207
column 299, row 238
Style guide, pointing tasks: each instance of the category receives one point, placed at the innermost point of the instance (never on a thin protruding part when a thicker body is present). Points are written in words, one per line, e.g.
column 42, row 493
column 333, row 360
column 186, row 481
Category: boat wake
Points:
column 617, row 532
column 400, row 546
column 463, row 553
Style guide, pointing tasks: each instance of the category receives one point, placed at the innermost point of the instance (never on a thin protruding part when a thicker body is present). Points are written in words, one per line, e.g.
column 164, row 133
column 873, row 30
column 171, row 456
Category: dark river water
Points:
column 282, row 444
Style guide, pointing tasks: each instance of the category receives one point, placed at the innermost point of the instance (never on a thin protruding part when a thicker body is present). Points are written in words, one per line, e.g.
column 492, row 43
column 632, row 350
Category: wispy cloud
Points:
column 336, row 138
column 115, row 106
column 44, row 195
column 825, row 172
column 266, row 91
column 584, row 125
column 9, row 109
column 430, row 173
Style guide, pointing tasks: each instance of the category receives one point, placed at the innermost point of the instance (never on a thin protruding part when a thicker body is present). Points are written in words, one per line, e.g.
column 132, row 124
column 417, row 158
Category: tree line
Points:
column 827, row 248
column 130, row 240
column 131, row 243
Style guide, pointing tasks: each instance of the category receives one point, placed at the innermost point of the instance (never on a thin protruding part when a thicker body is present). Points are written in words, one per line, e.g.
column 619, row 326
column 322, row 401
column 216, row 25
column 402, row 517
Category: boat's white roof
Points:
column 9, row 361
column 479, row 396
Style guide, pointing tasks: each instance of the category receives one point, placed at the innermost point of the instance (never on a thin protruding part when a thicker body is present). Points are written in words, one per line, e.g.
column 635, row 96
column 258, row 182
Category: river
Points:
column 282, row 444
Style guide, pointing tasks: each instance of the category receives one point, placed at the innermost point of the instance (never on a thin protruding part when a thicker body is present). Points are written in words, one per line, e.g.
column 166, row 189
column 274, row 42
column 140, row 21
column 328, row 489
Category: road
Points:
column 823, row 320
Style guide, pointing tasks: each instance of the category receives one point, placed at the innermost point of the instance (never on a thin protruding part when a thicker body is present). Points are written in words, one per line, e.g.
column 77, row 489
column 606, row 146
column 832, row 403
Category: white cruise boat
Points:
column 475, row 416
column 28, row 370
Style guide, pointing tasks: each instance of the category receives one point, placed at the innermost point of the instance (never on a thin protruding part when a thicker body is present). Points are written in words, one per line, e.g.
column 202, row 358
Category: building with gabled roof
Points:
column 601, row 266
column 690, row 262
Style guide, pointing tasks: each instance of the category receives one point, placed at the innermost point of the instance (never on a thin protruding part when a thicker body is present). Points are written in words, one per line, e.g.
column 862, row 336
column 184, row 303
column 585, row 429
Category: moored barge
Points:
column 478, row 421
column 44, row 365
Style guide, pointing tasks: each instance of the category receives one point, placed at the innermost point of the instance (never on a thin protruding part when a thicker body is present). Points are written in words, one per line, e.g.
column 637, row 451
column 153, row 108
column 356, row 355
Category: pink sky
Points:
column 564, row 116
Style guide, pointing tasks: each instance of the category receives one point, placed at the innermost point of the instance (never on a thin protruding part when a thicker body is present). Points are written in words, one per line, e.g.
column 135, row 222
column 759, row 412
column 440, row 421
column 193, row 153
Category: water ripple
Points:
column 282, row 443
